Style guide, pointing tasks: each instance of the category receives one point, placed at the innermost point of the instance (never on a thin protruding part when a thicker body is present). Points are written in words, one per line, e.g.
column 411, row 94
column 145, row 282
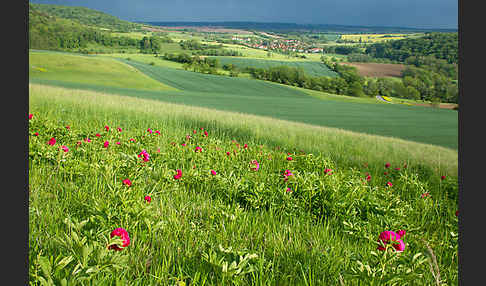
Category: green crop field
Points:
column 309, row 67
column 419, row 124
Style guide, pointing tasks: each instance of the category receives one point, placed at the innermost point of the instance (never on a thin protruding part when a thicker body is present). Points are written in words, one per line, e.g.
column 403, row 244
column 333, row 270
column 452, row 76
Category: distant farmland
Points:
column 378, row 70
column 311, row 68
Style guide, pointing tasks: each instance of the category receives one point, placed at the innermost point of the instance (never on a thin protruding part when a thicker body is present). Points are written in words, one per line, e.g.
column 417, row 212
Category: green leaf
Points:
column 46, row 267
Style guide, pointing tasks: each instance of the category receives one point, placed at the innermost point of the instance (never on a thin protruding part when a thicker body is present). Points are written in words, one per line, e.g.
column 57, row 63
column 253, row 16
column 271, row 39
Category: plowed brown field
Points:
column 378, row 70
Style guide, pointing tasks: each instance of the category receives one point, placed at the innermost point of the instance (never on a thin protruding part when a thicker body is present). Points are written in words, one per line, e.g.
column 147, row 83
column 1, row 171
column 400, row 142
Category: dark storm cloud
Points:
column 410, row 13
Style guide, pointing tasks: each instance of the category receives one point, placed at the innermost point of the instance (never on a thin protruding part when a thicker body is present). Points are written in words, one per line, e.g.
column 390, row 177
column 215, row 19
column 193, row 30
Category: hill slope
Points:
column 87, row 16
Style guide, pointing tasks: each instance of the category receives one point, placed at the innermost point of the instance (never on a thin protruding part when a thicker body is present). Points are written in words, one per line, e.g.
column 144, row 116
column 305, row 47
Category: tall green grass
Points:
column 238, row 227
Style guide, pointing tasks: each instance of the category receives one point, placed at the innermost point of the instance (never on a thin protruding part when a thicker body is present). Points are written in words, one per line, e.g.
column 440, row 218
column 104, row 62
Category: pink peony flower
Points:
column 254, row 165
column 123, row 234
column 127, row 182
column 391, row 237
column 213, row 172
column 64, row 148
column 106, row 144
column 424, row 195
column 287, row 174
column 145, row 155
column 52, row 141
column 148, row 199
column 178, row 175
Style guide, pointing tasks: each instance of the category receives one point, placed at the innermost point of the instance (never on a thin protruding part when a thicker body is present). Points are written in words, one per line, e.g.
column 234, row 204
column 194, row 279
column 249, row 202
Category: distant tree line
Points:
column 440, row 45
column 194, row 63
column 416, row 83
column 196, row 45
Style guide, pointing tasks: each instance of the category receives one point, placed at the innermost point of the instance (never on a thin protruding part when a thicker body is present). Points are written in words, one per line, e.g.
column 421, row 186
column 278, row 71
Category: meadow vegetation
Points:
column 298, row 217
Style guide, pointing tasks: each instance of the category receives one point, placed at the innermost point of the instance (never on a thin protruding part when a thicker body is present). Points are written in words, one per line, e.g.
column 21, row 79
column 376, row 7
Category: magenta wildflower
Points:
column 127, row 182
column 52, row 141
column 213, row 172
column 31, row 115
column 442, row 177
column 145, row 155
column 328, row 171
column 387, row 165
column 106, row 144
column 149, row 130
column 148, row 199
column 68, row 127
column 118, row 143
column 289, row 158
column 178, row 175
column 424, row 195
column 132, row 140
column 107, row 128
column 98, row 135
column 389, row 184
column 205, row 133
column 254, row 165
column 64, row 148
column 289, row 190
column 157, row 131
column 87, row 140
column 391, row 237
column 198, row 149
column 36, row 134
column 245, row 146
column 123, row 234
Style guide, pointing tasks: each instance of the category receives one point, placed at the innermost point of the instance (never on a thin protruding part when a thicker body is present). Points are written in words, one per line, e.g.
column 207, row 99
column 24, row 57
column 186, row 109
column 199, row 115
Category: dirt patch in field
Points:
column 442, row 105
column 378, row 70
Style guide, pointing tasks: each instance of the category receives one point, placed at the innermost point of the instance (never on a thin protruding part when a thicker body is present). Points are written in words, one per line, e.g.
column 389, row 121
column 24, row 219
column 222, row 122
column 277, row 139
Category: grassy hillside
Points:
column 89, row 70
column 420, row 124
column 190, row 229
column 310, row 68
column 86, row 16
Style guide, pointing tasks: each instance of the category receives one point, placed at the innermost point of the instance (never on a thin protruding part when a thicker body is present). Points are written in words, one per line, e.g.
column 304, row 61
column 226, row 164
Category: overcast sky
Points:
column 425, row 14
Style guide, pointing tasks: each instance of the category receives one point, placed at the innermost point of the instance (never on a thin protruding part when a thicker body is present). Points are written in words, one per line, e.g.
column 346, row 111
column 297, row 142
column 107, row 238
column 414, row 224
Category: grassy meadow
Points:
column 310, row 214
